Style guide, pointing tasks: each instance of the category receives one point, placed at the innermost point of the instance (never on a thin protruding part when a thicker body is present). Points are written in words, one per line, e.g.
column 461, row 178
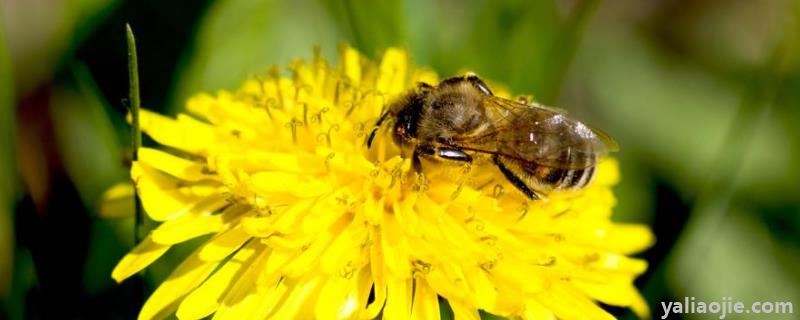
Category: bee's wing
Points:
column 538, row 134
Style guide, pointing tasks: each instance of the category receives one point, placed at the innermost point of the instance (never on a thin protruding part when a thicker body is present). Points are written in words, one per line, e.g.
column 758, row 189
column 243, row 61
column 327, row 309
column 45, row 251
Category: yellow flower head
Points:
column 307, row 222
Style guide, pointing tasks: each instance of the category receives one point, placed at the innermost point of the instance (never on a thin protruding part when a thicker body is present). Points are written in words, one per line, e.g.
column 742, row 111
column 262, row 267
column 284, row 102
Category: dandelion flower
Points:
column 304, row 221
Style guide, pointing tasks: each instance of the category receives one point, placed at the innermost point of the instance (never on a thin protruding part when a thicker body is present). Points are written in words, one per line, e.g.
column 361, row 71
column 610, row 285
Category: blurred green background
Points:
column 702, row 96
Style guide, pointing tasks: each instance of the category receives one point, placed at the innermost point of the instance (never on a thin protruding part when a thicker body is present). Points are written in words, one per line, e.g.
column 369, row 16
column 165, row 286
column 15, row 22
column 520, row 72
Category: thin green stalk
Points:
column 136, row 142
column 136, row 134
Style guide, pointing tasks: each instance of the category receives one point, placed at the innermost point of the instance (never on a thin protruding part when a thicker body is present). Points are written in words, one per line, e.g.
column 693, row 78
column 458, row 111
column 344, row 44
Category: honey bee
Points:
column 538, row 149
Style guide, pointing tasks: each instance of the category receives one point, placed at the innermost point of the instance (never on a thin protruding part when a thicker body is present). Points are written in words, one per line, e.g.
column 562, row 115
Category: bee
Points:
column 538, row 149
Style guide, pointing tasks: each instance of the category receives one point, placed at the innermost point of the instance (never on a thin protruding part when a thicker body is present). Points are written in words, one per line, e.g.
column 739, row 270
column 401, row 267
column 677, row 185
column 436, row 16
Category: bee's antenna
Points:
column 376, row 127
column 394, row 108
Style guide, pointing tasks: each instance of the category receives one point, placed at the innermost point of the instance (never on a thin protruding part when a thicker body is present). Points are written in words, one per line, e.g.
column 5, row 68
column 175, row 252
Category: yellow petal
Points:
column 640, row 307
column 619, row 293
column 273, row 161
column 395, row 249
column 425, row 75
column 204, row 300
column 241, row 300
column 201, row 103
column 607, row 172
column 270, row 272
column 117, row 201
column 196, row 223
column 269, row 182
column 568, row 304
column 158, row 193
column 257, row 304
column 224, row 243
column 536, row 311
column 628, row 238
column 524, row 277
column 282, row 221
column 364, row 285
column 426, row 302
column 378, row 279
column 464, row 311
column 398, row 299
column 351, row 64
column 292, row 305
column 176, row 166
column 344, row 249
column 187, row 276
column 605, row 236
column 184, row 134
column 309, row 257
column 140, row 257
column 392, row 71
column 305, row 78
column 448, row 280
column 338, row 297
column 483, row 289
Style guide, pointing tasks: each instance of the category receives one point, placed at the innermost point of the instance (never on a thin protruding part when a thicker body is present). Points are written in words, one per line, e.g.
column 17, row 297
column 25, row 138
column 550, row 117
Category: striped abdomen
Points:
column 532, row 178
column 559, row 178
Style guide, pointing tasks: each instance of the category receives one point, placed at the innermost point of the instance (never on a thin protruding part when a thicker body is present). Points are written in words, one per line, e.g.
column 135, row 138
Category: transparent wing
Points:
column 538, row 134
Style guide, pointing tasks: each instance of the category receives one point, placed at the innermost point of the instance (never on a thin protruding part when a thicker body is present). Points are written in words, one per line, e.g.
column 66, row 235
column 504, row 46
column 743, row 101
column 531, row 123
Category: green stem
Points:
column 136, row 134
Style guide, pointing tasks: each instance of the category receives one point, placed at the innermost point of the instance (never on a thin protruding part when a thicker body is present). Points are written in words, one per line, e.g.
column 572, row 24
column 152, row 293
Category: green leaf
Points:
column 238, row 38
column 23, row 280
column 634, row 191
column 510, row 42
column 42, row 38
column 85, row 136
column 728, row 252
column 677, row 116
column 370, row 25
column 110, row 240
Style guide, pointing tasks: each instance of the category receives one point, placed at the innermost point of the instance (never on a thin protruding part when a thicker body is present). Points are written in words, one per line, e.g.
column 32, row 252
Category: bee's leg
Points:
column 478, row 83
column 419, row 151
column 453, row 154
column 440, row 152
column 377, row 126
column 515, row 180
column 472, row 79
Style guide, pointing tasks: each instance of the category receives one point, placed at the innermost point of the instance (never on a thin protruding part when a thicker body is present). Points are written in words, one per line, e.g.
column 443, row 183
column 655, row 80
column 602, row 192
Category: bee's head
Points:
column 405, row 112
